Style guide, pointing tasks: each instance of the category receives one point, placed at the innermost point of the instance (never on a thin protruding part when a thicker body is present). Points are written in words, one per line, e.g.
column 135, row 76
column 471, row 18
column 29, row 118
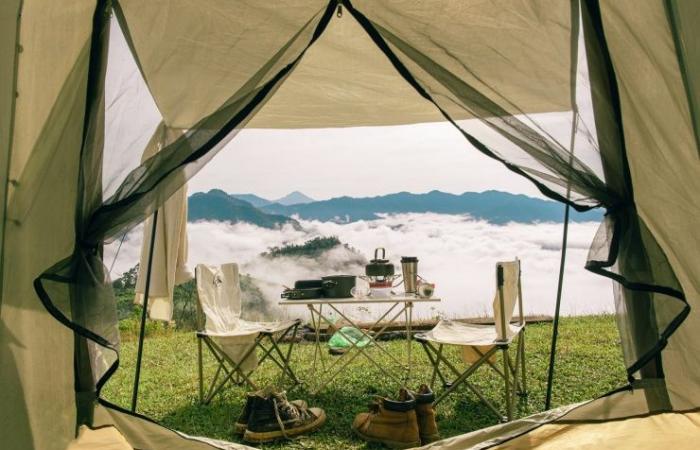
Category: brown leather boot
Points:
column 426, row 415
column 390, row 422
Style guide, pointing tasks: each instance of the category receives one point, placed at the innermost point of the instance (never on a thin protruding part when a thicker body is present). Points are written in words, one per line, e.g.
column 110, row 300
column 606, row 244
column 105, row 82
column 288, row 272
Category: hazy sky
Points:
column 365, row 161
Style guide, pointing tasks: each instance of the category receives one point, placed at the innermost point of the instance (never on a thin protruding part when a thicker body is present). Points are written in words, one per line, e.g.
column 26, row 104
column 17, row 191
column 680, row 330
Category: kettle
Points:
column 379, row 271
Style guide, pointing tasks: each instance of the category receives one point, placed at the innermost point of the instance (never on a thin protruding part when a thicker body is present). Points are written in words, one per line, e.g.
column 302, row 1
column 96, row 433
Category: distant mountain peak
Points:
column 215, row 192
column 217, row 205
column 253, row 199
column 294, row 198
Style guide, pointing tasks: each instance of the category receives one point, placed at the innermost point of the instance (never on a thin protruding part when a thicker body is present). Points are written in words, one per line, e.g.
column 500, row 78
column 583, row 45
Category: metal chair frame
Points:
column 266, row 341
column 514, row 384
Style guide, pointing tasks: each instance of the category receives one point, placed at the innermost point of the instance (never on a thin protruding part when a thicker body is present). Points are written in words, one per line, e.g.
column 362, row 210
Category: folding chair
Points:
column 231, row 340
column 480, row 343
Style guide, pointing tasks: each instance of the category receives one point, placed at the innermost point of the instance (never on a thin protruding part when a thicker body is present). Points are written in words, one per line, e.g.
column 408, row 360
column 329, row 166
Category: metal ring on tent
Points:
column 339, row 11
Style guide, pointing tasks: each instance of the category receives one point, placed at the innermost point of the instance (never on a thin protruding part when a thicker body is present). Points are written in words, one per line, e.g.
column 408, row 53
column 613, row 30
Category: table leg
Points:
column 409, row 320
column 317, row 334
column 371, row 338
column 381, row 331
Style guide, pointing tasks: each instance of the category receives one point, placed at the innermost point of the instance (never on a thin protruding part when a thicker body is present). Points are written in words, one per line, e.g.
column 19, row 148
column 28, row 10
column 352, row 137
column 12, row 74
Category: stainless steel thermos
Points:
column 409, row 266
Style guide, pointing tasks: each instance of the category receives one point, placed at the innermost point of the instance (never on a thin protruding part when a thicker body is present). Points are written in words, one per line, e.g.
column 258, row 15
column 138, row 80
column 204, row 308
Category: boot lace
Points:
column 293, row 412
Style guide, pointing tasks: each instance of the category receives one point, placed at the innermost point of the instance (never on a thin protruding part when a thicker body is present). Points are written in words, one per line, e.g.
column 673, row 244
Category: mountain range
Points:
column 293, row 198
column 493, row 206
column 219, row 206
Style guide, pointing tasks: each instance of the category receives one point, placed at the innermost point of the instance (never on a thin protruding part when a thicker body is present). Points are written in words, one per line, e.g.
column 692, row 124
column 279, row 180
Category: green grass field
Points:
column 589, row 364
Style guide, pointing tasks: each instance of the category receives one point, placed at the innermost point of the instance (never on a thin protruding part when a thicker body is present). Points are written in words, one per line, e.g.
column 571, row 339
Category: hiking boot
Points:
column 425, row 413
column 272, row 417
column 390, row 422
column 242, row 422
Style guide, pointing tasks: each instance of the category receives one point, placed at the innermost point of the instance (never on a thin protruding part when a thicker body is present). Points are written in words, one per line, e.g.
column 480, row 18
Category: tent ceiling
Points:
column 344, row 80
column 195, row 57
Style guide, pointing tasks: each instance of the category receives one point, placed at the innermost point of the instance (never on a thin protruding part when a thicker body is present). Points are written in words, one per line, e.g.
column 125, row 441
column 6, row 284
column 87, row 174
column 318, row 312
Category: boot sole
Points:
column 426, row 439
column 267, row 436
column 240, row 428
column 388, row 443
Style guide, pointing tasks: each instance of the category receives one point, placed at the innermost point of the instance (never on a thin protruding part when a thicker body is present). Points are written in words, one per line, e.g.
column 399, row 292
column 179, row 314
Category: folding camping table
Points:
column 396, row 304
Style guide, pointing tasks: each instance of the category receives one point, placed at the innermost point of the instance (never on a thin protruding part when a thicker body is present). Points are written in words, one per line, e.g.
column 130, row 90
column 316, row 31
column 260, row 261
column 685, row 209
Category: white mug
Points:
column 361, row 289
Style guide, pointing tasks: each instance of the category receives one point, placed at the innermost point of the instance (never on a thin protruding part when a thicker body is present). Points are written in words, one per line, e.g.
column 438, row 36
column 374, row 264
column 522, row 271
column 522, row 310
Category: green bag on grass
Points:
column 350, row 335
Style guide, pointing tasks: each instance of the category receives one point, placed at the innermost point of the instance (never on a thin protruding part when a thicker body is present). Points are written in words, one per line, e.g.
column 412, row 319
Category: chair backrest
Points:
column 508, row 294
column 219, row 297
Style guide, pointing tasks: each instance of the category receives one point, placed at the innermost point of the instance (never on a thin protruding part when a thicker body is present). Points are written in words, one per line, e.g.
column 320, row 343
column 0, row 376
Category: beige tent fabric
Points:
column 36, row 351
column 9, row 54
column 189, row 61
column 322, row 95
column 515, row 52
column 601, row 423
column 672, row 430
column 107, row 438
column 664, row 165
column 197, row 57
column 169, row 267
column 144, row 434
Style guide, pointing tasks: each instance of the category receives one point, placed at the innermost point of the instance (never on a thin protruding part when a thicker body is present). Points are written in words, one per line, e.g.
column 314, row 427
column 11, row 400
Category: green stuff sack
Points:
column 344, row 339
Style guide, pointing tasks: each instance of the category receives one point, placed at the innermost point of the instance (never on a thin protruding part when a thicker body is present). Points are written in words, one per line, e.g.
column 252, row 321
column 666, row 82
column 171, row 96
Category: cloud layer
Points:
column 455, row 252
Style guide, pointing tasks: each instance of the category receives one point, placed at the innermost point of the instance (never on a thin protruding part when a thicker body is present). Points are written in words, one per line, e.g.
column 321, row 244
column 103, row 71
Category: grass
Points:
column 589, row 364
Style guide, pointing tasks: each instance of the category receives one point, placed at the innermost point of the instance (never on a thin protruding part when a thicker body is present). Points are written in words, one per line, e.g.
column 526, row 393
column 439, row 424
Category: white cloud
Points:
column 455, row 252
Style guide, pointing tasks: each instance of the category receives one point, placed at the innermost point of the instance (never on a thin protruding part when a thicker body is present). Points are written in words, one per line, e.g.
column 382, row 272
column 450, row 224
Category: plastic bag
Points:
column 346, row 337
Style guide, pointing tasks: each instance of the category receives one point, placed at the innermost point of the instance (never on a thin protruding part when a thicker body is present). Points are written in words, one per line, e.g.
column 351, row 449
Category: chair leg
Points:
column 506, row 371
column 438, row 358
column 236, row 370
column 283, row 362
column 515, row 371
column 434, row 356
column 466, row 374
column 200, row 369
column 433, row 363
column 521, row 345
column 212, row 386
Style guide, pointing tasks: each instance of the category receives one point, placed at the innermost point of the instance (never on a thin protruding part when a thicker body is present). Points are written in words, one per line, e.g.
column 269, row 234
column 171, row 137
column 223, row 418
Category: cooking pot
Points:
column 302, row 293
column 338, row 286
column 305, row 284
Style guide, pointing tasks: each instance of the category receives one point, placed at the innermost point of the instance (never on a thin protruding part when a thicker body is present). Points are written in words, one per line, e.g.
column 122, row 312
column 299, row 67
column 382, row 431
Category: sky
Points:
column 358, row 162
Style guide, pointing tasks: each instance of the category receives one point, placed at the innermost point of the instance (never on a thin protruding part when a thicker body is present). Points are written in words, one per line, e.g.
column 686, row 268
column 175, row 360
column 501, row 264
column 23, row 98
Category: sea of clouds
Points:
column 455, row 252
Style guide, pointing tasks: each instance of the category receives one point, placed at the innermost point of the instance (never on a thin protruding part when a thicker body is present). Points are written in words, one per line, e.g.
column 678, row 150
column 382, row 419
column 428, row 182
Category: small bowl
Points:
column 426, row 290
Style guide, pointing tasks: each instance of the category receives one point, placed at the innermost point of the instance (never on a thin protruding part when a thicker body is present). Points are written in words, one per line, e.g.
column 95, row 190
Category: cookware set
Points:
column 379, row 274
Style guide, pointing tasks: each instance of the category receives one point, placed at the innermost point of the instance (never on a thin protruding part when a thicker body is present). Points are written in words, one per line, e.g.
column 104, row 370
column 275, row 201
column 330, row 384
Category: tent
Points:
column 621, row 78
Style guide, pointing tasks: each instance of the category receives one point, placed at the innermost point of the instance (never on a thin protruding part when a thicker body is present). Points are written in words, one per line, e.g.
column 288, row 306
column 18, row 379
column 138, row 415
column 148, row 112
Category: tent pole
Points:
column 555, row 332
column 144, row 313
